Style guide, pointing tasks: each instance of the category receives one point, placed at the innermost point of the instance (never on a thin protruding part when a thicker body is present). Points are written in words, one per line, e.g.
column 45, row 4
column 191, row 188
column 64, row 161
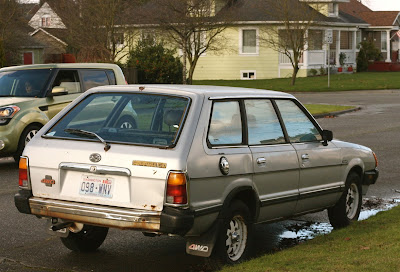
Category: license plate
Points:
column 96, row 186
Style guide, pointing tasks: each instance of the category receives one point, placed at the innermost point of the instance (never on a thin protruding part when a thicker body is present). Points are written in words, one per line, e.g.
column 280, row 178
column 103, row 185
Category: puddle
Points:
column 302, row 231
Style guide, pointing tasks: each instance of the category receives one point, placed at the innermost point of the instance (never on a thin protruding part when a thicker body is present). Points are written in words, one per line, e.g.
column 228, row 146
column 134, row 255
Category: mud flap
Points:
column 203, row 245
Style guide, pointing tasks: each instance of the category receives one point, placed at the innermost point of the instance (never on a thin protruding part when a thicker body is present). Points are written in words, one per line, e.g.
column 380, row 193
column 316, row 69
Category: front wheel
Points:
column 234, row 241
column 25, row 138
column 348, row 208
column 88, row 239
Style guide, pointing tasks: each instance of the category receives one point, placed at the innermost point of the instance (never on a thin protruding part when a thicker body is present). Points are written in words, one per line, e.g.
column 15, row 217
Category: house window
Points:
column 119, row 39
column 333, row 9
column 315, row 38
column 383, row 41
column 45, row 21
column 249, row 41
column 248, row 74
column 346, row 40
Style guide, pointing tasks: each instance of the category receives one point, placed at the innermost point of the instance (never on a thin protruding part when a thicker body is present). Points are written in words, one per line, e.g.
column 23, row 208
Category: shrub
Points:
column 155, row 63
column 322, row 71
column 368, row 52
column 313, row 72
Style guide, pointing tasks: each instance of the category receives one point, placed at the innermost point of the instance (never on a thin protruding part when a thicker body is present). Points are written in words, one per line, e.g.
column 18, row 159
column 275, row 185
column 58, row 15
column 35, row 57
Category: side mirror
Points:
column 327, row 136
column 57, row 91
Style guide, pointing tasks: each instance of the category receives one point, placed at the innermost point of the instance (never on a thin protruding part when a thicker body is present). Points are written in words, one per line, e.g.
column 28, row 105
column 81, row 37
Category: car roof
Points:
column 61, row 65
column 214, row 92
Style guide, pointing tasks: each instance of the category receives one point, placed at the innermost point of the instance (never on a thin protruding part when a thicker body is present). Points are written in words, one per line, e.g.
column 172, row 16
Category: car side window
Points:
column 94, row 78
column 263, row 123
column 69, row 80
column 298, row 125
column 226, row 124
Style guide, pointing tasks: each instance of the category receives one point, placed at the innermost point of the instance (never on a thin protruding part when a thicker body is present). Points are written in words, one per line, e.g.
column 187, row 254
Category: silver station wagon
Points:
column 202, row 162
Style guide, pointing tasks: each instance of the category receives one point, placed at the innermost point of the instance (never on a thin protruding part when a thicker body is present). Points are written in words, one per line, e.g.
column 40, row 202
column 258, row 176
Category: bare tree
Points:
column 96, row 28
column 194, row 26
column 289, row 35
column 10, row 28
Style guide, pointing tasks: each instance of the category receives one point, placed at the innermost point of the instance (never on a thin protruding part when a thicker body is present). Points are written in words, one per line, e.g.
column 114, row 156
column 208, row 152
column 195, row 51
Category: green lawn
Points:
column 370, row 245
column 339, row 82
column 315, row 109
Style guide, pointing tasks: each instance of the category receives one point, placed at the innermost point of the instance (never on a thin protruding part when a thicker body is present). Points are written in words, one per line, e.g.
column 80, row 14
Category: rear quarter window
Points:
column 94, row 78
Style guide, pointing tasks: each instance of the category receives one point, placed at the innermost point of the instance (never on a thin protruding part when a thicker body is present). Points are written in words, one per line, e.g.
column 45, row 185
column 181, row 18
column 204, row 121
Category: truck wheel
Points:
column 24, row 139
column 88, row 239
column 348, row 208
column 233, row 244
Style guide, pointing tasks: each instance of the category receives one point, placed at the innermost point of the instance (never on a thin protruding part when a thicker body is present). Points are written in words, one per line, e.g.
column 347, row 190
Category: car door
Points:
column 275, row 163
column 68, row 80
column 320, row 176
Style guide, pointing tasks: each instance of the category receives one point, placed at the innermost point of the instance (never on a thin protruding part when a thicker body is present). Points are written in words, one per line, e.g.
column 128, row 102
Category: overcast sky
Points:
column 383, row 4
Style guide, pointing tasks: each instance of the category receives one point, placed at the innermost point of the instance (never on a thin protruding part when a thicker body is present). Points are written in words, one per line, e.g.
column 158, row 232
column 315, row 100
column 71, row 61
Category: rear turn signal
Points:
column 176, row 188
column 23, row 173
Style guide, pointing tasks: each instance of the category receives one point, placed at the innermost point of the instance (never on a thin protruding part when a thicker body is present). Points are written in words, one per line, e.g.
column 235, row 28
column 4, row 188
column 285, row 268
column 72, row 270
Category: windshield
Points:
column 23, row 83
column 133, row 118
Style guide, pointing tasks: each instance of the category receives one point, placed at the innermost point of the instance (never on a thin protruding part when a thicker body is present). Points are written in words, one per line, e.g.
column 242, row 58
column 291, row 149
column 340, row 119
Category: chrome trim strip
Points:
column 123, row 218
column 100, row 169
column 250, row 96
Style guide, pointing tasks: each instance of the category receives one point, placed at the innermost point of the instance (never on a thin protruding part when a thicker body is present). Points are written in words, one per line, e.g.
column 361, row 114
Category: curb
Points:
column 336, row 113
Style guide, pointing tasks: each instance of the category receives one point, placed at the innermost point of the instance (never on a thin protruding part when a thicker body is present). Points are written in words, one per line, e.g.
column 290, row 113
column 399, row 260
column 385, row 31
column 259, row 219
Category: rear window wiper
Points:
column 88, row 134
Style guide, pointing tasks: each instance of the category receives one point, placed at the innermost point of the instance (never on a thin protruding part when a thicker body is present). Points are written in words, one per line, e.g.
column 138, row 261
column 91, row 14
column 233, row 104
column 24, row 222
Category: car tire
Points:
column 26, row 136
column 348, row 208
column 234, row 241
column 88, row 239
column 126, row 122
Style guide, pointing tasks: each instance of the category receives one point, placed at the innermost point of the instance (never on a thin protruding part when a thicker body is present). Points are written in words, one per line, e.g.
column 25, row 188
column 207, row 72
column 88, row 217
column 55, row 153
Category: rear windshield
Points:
column 23, row 83
column 132, row 118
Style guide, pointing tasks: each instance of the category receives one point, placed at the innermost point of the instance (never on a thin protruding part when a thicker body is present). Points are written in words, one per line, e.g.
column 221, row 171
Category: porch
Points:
column 317, row 55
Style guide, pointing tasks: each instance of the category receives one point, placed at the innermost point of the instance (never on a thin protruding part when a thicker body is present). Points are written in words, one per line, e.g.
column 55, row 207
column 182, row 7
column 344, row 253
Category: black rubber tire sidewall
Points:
column 127, row 119
column 220, row 255
column 21, row 142
column 337, row 214
column 88, row 239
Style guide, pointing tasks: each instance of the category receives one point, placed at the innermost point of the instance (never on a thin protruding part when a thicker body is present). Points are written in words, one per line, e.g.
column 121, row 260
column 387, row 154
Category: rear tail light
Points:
column 176, row 188
column 23, row 174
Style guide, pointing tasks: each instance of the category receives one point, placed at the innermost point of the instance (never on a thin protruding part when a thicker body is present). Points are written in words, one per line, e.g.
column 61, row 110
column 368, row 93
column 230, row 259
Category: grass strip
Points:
column 339, row 82
column 369, row 245
column 315, row 109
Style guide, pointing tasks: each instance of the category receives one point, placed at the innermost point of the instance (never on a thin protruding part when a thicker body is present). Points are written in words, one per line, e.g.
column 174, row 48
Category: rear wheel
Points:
column 25, row 138
column 348, row 208
column 233, row 244
column 127, row 122
column 88, row 239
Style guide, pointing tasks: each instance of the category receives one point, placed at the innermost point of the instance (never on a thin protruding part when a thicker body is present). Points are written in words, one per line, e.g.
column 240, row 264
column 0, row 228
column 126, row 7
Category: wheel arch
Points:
column 247, row 195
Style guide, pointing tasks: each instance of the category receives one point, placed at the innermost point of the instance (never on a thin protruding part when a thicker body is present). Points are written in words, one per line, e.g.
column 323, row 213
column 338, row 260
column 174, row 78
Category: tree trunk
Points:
column 184, row 66
column 2, row 55
column 294, row 75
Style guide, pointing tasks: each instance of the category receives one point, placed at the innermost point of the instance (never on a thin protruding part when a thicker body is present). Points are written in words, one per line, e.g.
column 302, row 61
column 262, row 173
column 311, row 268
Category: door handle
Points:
column 305, row 157
column 261, row 161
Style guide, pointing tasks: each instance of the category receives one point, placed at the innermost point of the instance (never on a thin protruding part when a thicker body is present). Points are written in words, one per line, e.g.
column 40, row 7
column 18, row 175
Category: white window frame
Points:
column 47, row 21
column 241, row 41
column 242, row 72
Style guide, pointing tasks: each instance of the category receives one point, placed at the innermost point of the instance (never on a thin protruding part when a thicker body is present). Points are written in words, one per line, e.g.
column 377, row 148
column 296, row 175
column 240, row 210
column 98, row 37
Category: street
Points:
column 25, row 246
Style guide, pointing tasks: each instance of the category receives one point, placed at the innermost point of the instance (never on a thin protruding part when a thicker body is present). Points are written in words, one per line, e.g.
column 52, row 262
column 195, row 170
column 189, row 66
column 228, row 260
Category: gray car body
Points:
column 287, row 185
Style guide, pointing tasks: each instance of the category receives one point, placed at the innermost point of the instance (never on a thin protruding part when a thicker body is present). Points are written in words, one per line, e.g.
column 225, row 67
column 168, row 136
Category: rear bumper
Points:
column 169, row 221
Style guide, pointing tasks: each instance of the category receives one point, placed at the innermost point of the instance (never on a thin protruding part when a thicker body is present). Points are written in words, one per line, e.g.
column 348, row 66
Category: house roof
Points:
column 54, row 33
column 374, row 18
column 252, row 11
